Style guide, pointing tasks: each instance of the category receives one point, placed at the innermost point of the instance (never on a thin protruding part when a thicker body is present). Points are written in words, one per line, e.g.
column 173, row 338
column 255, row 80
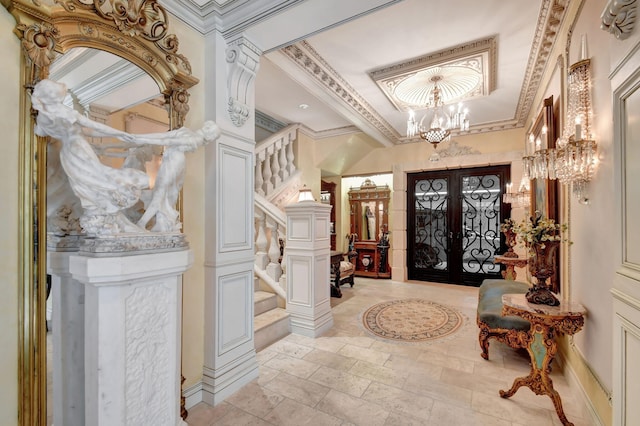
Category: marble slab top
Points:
column 519, row 301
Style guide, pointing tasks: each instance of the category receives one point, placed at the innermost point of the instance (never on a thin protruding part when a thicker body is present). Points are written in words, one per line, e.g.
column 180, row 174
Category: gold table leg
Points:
column 542, row 349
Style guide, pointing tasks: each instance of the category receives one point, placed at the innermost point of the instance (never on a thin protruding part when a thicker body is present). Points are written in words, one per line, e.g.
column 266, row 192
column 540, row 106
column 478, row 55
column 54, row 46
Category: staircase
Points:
column 276, row 182
column 270, row 323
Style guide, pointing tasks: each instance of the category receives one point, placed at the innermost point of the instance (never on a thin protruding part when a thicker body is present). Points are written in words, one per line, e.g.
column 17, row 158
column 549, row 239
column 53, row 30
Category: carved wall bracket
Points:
column 619, row 18
column 243, row 58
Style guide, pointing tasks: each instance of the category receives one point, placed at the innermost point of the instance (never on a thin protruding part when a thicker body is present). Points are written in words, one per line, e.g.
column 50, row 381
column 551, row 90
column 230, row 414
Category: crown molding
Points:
column 552, row 14
column 265, row 121
column 327, row 79
column 329, row 133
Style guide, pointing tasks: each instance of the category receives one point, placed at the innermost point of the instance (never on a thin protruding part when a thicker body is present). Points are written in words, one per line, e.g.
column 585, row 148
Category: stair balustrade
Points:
column 275, row 161
column 275, row 174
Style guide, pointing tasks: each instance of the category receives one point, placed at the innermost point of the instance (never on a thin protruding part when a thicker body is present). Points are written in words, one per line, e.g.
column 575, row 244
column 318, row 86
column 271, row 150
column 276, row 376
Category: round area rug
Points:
column 411, row 320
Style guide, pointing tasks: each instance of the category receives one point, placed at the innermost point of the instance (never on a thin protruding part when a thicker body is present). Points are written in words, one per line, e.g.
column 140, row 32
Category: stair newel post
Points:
column 308, row 262
column 261, row 241
column 273, row 269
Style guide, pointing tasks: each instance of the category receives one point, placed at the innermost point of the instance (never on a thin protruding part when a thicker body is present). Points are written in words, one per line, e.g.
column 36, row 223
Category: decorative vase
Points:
column 510, row 240
column 542, row 266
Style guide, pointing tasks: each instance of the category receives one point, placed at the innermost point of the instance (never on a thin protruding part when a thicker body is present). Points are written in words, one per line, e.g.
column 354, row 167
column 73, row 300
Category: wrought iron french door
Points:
column 453, row 224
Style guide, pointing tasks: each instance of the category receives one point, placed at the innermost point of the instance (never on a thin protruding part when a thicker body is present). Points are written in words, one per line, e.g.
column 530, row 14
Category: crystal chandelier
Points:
column 441, row 122
column 574, row 160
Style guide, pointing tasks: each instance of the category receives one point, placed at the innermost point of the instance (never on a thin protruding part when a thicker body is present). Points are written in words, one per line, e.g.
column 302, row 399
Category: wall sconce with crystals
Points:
column 574, row 160
column 521, row 198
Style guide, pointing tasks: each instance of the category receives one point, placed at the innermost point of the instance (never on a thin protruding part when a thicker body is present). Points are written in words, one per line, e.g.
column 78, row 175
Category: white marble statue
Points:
column 63, row 207
column 106, row 192
column 164, row 196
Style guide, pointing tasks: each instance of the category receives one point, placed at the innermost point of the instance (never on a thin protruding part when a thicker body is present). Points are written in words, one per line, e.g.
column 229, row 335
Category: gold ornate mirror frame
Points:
column 136, row 30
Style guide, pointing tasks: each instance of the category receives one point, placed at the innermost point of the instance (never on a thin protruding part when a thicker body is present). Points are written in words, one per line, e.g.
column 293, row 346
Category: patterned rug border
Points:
column 456, row 333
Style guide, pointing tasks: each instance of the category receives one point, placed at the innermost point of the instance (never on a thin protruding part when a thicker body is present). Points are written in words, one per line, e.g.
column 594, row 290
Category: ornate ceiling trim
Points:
column 465, row 71
column 552, row 13
column 305, row 56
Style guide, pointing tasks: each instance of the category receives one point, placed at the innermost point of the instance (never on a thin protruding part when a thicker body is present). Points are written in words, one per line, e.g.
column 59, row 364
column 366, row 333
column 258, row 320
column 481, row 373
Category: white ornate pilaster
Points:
column 307, row 266
column 229, row 348
column 132, row 336
column 243, row 58
column 67, row 322
column 619, row 18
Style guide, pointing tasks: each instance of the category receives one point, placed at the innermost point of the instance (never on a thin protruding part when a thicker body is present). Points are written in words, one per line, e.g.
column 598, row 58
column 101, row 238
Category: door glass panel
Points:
column 431, row 227
column 480, row 223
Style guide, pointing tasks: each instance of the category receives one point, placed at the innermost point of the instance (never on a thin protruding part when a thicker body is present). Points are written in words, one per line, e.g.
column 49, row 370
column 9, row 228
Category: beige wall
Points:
column 380, row 160
column 192, row 46
column 9, row 108
column 306, row 159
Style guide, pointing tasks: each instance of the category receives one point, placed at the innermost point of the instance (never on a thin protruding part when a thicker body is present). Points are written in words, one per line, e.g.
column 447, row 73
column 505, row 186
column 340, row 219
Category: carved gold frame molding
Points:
column 136, row 30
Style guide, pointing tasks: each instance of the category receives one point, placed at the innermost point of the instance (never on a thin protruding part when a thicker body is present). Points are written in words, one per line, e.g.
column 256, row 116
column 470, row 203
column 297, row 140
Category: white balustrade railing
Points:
column 270, row 224
column 275, row 177
column 275, row 160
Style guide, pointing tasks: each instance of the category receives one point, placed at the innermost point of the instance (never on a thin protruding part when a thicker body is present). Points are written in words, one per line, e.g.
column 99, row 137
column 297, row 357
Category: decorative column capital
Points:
column 243, row 58
column 619, row 18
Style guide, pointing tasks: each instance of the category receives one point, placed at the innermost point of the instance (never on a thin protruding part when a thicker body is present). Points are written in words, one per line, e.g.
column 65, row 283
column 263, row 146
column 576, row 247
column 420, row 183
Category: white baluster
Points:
column 266, row 173
column 275, row 168
column 262, row 259
column 273, row 269
column 282, row 157
column 259, row 183
column 290, row 156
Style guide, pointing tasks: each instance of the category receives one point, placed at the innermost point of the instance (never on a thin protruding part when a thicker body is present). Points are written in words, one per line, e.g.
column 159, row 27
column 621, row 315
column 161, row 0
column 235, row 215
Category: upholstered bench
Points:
column 505, row 329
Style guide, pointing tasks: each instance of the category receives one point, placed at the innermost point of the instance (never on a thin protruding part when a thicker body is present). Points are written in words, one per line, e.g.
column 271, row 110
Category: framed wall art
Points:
column 544, row 133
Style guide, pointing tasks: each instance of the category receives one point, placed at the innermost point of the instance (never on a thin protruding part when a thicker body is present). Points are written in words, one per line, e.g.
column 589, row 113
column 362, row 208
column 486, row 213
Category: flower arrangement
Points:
column 508, row 228
column 536, row 231
column 508, row 225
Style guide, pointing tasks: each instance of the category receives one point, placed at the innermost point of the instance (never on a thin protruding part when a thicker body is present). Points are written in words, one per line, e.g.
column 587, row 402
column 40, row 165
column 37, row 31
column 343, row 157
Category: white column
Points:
column 229, row 348
column 308, row 263
column 67, row 323
column 132, row 337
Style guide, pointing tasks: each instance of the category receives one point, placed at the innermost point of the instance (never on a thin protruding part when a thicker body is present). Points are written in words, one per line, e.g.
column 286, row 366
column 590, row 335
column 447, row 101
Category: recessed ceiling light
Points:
column 303, row 106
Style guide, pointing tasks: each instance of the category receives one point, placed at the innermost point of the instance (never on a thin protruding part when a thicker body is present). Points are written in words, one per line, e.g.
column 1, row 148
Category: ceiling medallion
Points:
column 465, row 71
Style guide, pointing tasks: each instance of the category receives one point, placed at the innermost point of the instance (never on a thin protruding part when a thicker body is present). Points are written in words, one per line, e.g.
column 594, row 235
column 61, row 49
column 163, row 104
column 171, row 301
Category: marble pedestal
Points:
column 308, row 276
column 67, row 337
column 132, row 337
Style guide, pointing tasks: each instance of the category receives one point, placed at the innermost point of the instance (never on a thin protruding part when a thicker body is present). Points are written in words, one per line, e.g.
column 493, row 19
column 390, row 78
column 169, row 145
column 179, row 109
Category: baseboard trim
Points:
column 574, row 382
column 192, row 395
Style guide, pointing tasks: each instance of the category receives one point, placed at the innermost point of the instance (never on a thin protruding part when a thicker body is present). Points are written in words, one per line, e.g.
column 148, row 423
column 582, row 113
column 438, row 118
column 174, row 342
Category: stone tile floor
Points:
column 349, row 377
